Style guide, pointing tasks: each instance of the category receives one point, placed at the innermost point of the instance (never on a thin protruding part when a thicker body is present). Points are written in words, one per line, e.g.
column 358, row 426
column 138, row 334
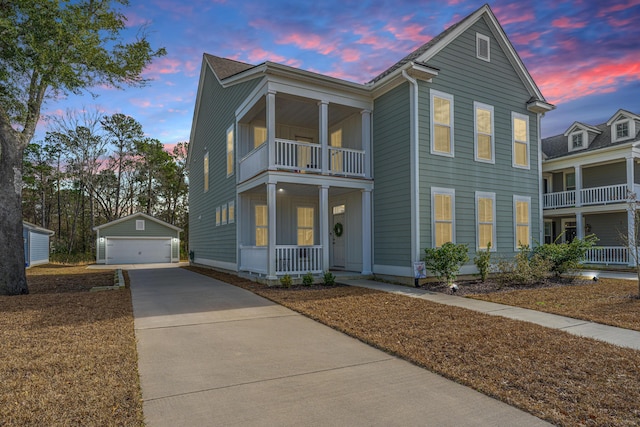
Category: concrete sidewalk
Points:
column 583, row 328
column 214, row 354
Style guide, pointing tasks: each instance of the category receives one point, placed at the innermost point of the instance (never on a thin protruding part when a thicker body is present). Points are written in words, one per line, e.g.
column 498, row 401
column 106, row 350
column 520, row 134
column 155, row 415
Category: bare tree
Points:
column 631, row 239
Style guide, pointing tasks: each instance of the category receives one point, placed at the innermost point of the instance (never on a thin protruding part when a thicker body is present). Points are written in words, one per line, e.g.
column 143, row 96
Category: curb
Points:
column 118, row 283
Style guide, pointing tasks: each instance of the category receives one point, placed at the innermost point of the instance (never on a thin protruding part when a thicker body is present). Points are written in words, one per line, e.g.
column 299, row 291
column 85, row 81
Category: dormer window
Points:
column 576, row 140
column 622, row 130
column 623, row 125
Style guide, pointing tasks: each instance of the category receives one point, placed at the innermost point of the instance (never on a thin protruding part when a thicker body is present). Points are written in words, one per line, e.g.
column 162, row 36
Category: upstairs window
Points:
column 218, row 216
column 205, row 172
column 441, row 123
column 484, row 139
column 576, row 140
column 224, row 214
column 622, row 130
column 520, row 129
column 232, row 212
column 483, row 47
column 259, row 136
column 230, row 151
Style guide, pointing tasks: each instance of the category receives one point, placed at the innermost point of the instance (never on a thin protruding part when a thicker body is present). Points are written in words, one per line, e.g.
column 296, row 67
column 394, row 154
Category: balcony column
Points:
column 324, row 225
column 271, row 128
column 271, row 233
column 578, row 171
column 366, row 141
column 366, row 232
column 324, row 135
column 630, row 176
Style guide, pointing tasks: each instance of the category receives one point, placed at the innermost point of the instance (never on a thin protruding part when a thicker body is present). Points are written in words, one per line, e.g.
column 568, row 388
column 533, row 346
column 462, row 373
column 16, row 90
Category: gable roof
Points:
column 582, row 126
column 136, row 215
column 624, row 113
column 36, row 228
column 224, row 67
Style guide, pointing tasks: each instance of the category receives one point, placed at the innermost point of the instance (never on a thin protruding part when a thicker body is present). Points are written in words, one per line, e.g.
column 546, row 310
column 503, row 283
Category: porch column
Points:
column 630, row 177
column 271, row 128
column 578, row 170
column 324, row 135
column 271, row 233
column 324, row 225
column 366, row 232
column 366, row 141
column 579, row 225
column 631, row 238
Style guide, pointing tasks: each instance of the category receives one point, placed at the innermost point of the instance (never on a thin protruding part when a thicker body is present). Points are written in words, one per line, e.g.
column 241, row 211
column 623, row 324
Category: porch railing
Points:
column 298, row 156
column 560, row 199
column 298, row 259
column 607, row 255
column 588, row 196
column 253, row 259
column 346, row 161
column 254, row 162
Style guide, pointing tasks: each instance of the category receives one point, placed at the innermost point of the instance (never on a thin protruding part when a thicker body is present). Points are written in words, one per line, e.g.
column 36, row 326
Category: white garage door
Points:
column 138, row 251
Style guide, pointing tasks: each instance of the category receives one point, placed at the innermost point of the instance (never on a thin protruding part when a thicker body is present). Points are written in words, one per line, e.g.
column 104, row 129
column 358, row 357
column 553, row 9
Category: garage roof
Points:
column 139, row 214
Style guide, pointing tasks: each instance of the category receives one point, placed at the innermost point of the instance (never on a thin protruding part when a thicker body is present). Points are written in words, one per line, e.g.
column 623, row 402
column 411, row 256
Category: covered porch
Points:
column 293, row 225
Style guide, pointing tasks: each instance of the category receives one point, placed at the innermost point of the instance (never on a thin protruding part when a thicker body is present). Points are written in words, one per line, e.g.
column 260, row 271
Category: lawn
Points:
column 562, row 378
column 68, row 355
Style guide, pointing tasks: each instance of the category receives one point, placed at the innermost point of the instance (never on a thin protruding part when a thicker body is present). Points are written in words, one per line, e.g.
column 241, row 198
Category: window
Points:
column 224, row 214
column 443, row 214
column 548, row 232
column 576, row 140
column 569, row 181
column 339, row 209
column 259, row 136
column 441, row 123
column 520, row 127
column 139, row 224
column 483, row 47
column 521, row 220
column 217, row 216
column 484, row 140
column 206, row 172
column 230, row 151
column 232, row 212
column 486, row 220
column 336, row 155
column 262, row 235
column 305, row 226
column 622, row 130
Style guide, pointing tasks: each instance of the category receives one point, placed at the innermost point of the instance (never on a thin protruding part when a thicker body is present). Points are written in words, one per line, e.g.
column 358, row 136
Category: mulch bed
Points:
column 68, row 355
column 562, row 378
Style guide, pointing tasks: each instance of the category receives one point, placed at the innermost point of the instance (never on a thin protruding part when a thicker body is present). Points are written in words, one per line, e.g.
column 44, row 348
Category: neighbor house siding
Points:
column 392, row 197
column 603, row 175
column 215, row 115
column 496, row 84
column 608, row 227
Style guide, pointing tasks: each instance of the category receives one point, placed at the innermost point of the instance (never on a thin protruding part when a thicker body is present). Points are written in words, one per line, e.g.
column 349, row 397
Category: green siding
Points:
column 603, row 175
column 494, row 83
column 608, row 227
column 392, row 198
column 216, row 114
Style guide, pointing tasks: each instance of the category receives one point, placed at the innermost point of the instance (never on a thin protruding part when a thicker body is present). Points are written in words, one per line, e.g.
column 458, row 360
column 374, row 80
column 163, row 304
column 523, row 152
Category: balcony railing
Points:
column 254, row 162
column 346, row 161
column 588, row 196
column 298, row 156
column 607, row 255
column 298, row 259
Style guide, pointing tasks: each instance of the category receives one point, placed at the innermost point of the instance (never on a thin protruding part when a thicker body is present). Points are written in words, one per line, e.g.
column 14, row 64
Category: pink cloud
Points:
column 142, row 103
column 163, row 66
column 617, row 7
column 513, row 13
column 134, row 20
column 308, row 42
column 567, row 24
column 350, row 55
column 526, row 39
column 412, row 32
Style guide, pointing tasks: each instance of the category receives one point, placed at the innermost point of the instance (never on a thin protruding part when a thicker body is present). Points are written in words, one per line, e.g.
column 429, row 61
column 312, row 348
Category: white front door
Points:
column 338, row 241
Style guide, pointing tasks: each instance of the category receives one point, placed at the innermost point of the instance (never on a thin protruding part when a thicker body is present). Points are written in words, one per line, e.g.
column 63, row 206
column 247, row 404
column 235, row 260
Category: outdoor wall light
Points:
column 102, row 240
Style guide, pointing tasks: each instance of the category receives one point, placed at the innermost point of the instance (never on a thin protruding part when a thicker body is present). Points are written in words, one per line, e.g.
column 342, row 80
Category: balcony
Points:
column 588, row 196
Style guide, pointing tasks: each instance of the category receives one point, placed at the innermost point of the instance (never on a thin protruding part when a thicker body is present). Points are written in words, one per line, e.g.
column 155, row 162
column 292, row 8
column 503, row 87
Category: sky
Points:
column 583, row 55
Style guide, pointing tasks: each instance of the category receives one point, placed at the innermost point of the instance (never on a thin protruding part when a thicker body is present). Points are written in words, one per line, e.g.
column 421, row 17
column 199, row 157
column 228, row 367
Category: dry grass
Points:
column 68, row 356
column 608, row 301
column 556, row 376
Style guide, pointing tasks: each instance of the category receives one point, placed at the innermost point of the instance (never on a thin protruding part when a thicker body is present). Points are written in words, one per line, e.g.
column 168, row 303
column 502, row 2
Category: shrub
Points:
column 328, row 279
column 526, row 268
column 566, row 257
column 483, row 262
column 286, row 281
column 307, row 279
column 445, row 262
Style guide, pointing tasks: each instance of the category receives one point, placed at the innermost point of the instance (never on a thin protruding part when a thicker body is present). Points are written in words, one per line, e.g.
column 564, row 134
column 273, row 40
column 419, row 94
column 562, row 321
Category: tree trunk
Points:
column 13, row 280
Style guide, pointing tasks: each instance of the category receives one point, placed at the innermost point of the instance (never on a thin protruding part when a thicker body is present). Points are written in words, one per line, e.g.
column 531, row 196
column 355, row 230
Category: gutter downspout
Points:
column 414, row 169
column 540, row 180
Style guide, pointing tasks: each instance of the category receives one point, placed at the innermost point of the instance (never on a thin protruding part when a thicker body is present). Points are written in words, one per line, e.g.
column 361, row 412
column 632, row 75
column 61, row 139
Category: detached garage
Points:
column 137, row 239
column 36, row 244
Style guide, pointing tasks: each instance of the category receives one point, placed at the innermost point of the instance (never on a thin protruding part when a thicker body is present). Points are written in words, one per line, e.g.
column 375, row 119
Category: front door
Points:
column 337, row 238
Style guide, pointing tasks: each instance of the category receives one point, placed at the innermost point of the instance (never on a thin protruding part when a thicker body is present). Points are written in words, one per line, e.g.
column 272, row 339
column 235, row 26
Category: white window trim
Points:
column 313, row 225
column 218, row 216
column 488, row 40
column 205, row 172
column 140, row 224
column 492, row 196
column 225, row 212
column 452, row 193
column 261, row 227
column 232, row 207
column 584, row 140
column 476, row 106
column 630, row 128
column 516, row 199
column 233, row 150
column 432, row 94
column 524, row 117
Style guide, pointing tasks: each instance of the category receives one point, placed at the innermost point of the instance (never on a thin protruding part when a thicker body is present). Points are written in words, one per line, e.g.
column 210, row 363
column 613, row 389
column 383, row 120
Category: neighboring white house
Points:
column 36, row 244
column 137, row 239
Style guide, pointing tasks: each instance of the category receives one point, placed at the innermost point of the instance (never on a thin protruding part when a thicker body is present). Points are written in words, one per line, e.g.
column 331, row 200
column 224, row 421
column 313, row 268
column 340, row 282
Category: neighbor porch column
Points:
column 324, row 225
column 324, row 135
column 271, row 128
column 271, row 233
column 366, row 232
column 630, row 177
column 366, row 141
column 578, row 178
column 579, row 225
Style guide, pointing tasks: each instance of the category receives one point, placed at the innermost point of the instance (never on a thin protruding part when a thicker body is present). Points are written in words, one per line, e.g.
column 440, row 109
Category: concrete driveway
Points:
column 214, row 354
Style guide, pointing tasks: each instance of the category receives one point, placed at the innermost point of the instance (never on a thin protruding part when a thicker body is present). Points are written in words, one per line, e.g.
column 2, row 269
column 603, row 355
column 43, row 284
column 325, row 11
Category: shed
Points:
column 36, row 244
column 137, row 239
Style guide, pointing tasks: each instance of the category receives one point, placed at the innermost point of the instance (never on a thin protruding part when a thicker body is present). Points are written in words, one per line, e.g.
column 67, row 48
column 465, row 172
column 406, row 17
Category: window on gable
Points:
column 139, row 224
column 576, row 140
column 520, row 129
column 522, row 221
column 305, row 226
column 622, row 130
column 442, row 200
column 206, row 172
column 261, row 225
column 483, row 47
column 484, row 138
column 230, row 151
column 441, row 123
column 486, row 220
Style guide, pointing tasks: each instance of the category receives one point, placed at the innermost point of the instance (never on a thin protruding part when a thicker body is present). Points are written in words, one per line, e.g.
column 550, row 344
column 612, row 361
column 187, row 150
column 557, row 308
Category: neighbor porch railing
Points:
column 588, row 196
column 298, row 259
column 560, row 199
column 607, row 255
